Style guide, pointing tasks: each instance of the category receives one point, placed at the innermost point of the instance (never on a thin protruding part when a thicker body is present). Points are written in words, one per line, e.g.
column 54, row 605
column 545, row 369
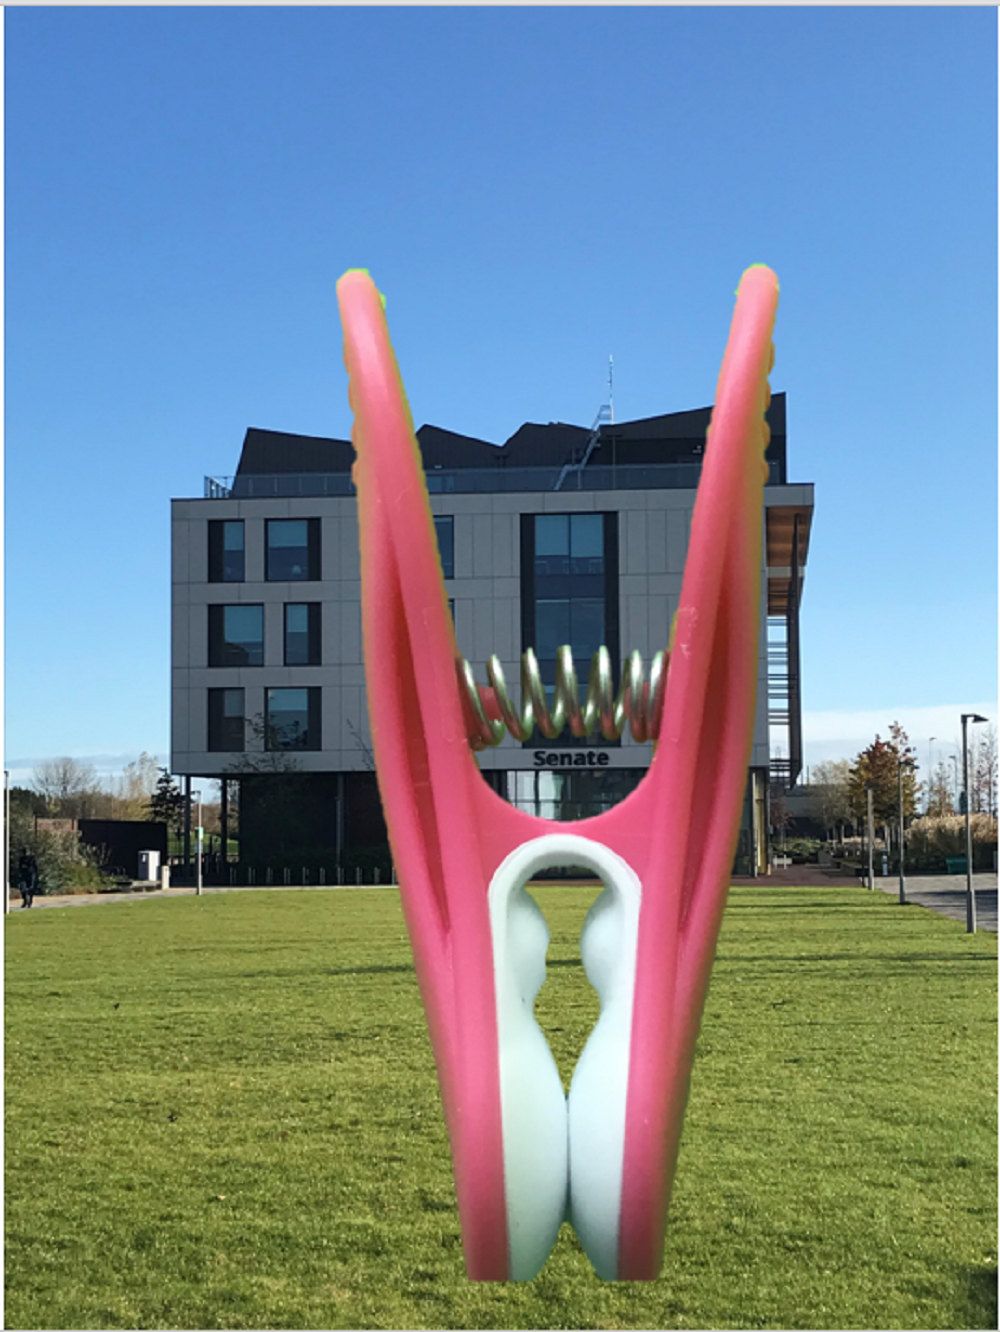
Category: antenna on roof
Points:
column 611, row 399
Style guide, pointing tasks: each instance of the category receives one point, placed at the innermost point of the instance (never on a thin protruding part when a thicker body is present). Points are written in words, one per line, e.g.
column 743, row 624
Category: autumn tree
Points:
column 983, row 771
column 939, row 797
column 878, row 766
column 136, row 786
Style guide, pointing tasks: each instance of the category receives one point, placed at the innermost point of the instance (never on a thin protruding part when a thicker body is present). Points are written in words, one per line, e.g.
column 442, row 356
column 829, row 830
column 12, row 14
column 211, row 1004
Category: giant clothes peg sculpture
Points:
column 525, row 1155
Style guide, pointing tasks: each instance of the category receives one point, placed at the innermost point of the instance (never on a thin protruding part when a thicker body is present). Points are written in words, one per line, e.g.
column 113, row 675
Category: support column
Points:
column 340, row 817
column 224, row 828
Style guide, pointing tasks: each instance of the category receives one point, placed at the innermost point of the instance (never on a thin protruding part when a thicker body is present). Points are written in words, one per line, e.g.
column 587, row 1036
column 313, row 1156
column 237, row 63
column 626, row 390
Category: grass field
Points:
column 222, row 1112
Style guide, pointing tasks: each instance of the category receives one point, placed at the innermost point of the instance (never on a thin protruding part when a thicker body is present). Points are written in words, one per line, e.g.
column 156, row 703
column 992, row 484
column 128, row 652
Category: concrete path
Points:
column 92, row 899
column 944, row 893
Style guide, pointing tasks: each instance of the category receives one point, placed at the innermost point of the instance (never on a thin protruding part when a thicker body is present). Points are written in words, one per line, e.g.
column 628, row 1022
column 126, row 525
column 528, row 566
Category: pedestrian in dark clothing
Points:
column 27, row 876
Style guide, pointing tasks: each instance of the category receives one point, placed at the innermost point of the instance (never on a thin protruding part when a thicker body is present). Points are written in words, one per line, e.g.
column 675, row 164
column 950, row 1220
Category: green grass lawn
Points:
column 222, row 1112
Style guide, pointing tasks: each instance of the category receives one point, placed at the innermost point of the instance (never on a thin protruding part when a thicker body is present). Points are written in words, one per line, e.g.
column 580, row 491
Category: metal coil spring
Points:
column 639, row 702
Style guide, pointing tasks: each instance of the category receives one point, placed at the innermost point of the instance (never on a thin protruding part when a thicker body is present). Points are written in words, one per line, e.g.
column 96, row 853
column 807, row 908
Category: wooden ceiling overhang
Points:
column 780, row 529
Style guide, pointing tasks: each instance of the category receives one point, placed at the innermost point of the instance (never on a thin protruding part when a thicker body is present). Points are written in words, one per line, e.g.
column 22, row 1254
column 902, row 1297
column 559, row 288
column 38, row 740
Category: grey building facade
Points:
column 560, row 535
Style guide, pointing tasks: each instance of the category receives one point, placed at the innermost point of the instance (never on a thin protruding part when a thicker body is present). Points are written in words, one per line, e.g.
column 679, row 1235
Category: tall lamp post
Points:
column 930, row 770
column 200, row 835
column 871, row 838
column 958, row 781
column 970, row 892
column 903, row 763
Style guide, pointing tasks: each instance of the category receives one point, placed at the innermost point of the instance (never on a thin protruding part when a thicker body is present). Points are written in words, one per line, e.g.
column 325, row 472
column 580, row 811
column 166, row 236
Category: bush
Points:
column 802, row 849
column 932, row 840
column 65, row 865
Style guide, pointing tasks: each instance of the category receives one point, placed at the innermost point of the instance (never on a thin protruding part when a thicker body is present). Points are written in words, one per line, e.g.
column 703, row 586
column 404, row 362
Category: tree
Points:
column 63, row 861
column 779, row 814
column 878, row 765
column 983, row 771
column 166, row 803
column 939, row 798
column 267, row 755
column 136, row 787
column 366, row 751
column 830, row 794
column 65, row 785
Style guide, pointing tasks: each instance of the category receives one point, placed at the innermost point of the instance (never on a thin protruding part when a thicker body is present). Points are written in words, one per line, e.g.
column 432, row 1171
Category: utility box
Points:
column 149, row 866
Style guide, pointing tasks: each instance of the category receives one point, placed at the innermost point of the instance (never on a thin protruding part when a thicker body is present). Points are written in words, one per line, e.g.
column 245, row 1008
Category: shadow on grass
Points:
column 404, row 967
column 378, row 969
column 826, row 908
column 903, row 959
column 981, row 1297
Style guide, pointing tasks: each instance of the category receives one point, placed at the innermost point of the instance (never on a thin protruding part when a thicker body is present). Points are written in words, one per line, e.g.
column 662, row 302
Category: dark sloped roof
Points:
column 443, row 448
column 545, row 445
column 673, row 437
column 266, row 452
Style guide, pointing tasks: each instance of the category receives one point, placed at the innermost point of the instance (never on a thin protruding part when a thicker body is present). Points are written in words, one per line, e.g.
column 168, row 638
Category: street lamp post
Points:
column 200, row 834
column 903, row 763
column 930, row 770
column 871, row 839
column 970, row 892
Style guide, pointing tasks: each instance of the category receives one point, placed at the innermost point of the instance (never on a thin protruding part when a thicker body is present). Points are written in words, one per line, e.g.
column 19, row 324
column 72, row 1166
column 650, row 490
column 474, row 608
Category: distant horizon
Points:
column 823, row 748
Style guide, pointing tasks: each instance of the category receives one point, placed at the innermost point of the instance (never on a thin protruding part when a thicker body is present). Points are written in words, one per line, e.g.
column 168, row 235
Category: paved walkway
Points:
column 943, row 893
column 946, row 894
column 91, row 899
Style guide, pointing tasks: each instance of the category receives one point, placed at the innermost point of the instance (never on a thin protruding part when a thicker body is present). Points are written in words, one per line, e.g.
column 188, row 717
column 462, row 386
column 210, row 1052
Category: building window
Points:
column 569, row 589
column 302, row 634
column 226, row 730
column 569, row 594
column 236, row 635
column 293, row 719
column 292, row 550
column 226, row 560
column 444, row 529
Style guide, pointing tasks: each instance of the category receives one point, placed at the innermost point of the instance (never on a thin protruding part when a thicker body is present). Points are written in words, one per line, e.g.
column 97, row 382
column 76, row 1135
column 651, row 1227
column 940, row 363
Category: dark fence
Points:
column 364, row 865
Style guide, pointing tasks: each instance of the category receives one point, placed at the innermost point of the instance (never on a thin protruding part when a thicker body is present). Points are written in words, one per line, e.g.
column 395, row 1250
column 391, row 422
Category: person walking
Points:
column 27, row 876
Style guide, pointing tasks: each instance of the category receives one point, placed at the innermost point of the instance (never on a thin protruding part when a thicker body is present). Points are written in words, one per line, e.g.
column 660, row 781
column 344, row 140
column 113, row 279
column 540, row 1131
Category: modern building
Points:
column 559, row 535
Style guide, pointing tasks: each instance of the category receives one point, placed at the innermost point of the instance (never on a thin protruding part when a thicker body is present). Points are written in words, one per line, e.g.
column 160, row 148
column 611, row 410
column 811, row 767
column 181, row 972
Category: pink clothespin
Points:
column 525, row 1155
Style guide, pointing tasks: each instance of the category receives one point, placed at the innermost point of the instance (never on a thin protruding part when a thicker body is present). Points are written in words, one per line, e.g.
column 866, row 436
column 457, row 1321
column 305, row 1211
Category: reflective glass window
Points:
column 444, row 529
column 552, row 544
column 236, row 635
column 587, row 543
column 552, row 628
column 302, row 634
column 226, row 556
column 569, row 590
column 292, row 549
column 292, row 720
column 226, row 729
column 586, row 628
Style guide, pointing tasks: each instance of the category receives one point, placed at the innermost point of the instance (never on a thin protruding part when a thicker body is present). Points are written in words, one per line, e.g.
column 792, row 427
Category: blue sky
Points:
column 533, row 189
